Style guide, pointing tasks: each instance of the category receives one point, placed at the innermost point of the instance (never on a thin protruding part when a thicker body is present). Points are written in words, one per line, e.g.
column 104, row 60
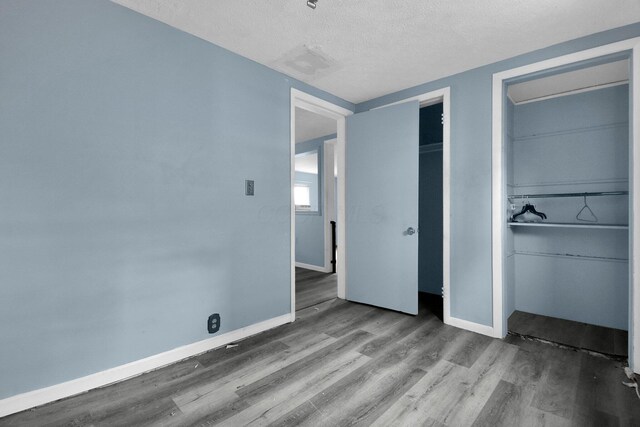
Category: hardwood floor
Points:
column 313, row 287
column 608, row 341
column 342, row 363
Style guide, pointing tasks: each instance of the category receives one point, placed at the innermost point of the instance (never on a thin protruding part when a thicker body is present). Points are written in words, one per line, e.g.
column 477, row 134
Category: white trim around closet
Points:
column 499, row 224
column 634, row 184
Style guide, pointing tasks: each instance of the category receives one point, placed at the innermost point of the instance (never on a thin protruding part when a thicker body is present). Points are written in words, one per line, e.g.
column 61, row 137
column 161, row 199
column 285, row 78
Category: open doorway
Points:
column 430, row 224
column 382, row 221
column 314, row 191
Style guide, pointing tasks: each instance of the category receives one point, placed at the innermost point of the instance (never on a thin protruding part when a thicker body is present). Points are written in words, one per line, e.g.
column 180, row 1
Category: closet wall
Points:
column 570, row 144
column 430, row 201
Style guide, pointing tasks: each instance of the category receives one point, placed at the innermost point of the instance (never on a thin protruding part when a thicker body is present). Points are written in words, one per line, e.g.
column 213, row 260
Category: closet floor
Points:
column 603, row 340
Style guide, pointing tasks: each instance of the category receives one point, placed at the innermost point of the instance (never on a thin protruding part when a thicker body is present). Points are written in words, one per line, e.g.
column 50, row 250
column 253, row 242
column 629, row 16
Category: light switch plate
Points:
column 248, row 187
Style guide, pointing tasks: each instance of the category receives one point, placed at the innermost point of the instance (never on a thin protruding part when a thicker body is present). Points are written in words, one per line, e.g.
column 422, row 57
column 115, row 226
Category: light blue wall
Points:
column 310, row 179
column 574, row 143
column 594, row 292
column 471, row 291
column 310, row 225
column 124, row 149
column 310, row 228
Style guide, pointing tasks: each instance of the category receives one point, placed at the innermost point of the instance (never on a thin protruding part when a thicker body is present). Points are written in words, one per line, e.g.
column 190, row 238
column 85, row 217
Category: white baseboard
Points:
column 313, row 267
column 41, row 396
column 471, row 326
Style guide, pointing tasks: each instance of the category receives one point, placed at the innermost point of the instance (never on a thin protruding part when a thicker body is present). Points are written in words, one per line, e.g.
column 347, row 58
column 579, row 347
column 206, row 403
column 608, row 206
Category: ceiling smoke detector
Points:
column 312, row 3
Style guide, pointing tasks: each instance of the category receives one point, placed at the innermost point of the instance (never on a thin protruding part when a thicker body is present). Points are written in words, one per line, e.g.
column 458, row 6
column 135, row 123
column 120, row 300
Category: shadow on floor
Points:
column 432, row 302
column 608, row 341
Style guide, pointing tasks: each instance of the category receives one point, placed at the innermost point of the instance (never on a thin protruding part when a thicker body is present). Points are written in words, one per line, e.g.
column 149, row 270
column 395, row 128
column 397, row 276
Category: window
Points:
column 302, row 197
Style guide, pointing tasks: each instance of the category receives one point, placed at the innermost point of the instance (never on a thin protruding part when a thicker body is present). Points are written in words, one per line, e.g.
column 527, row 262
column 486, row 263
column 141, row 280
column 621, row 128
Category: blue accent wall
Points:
column 471, row 291
column 124, row 148
column 310, row 225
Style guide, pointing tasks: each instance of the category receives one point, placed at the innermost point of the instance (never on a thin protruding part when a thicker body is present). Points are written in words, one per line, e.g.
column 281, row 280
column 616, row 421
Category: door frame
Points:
column 305, row 101
column 499, row 224
column 425, row 99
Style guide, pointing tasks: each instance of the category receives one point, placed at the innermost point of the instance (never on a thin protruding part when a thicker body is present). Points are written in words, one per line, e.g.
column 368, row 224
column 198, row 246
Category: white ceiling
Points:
column 360, row 50
column 586, row 78
column 311, row 125
column 307, row 162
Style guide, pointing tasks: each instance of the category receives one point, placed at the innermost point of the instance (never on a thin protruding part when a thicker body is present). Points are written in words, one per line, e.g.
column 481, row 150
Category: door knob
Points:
column 410, row 231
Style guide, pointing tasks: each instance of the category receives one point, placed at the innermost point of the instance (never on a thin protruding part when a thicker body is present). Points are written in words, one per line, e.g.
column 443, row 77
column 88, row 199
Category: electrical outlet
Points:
column 213, row 323
column 248, row 187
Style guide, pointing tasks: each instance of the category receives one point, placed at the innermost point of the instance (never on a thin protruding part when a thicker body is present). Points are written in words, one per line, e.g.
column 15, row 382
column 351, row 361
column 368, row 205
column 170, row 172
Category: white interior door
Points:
column 382, row 207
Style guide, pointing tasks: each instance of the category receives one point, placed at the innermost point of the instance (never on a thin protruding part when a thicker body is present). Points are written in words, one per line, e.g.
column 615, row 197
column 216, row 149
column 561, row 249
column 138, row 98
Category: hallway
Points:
column 314, row 287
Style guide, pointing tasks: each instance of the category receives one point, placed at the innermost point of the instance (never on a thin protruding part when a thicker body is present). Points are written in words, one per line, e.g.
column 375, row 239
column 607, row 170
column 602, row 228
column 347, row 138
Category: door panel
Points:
column 382, row 204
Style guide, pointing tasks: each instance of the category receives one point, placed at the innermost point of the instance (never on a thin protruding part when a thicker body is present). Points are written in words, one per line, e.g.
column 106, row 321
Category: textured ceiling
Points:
column 360, row 50
column 310, row 125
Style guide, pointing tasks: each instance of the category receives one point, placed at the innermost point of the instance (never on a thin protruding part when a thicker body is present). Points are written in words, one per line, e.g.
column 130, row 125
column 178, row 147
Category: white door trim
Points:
column 499, row 223
column 444, row 95
column 324, row 108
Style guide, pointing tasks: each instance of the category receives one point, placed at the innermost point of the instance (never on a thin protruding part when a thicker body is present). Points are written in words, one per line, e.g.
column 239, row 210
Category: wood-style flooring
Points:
column 608, row 341
column 343, row 363
column 313, row 287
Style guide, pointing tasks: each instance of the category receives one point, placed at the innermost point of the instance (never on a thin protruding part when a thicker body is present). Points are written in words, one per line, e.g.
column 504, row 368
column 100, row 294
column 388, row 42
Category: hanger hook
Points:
column 593, row 217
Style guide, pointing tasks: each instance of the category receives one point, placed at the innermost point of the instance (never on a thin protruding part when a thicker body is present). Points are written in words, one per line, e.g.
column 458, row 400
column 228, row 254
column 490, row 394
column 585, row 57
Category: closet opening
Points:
column 567, row 161
column 430, row 208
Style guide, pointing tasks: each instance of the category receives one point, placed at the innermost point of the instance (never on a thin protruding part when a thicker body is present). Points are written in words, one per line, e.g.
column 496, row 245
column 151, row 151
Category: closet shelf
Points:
column 569, row 225
column 550, row 195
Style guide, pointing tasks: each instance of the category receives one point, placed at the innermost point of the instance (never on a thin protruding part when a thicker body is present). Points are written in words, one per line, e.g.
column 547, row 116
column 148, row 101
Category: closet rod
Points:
column 588, row 194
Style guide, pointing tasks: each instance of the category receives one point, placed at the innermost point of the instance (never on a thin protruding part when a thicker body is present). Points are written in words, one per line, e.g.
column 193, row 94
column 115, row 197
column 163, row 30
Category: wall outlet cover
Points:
column 213, row 324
